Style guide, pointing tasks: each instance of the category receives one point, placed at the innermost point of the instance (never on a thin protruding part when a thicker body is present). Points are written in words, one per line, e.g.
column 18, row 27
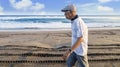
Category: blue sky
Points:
column 53, row 7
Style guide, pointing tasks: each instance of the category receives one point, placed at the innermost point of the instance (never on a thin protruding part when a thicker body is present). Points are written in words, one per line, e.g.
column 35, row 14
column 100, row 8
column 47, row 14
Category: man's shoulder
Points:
column 78, row 20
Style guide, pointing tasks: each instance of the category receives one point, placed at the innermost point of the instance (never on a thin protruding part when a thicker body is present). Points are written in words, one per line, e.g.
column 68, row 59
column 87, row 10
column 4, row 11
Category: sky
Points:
column 53, row 7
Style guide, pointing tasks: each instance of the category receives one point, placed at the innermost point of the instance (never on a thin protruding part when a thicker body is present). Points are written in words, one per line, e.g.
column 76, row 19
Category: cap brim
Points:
column 65, row 10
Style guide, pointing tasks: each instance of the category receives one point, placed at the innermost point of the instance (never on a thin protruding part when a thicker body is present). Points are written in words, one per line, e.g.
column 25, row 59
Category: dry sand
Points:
column 54, row 39
column 17, row 42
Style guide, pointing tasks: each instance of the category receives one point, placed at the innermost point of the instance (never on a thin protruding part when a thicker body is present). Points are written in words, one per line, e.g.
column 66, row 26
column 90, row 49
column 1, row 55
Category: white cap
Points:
column 70, row 7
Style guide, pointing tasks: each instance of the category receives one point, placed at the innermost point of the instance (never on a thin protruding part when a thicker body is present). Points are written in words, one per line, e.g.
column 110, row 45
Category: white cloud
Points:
column 37, row 6
column 1, row 11
column 87, row 8
column 87, row 4
column 27, row 6
column 105, row 1
column 94, row 9
column 105, row 9
column 36, row 9
column 23, row 4
column 12, row 1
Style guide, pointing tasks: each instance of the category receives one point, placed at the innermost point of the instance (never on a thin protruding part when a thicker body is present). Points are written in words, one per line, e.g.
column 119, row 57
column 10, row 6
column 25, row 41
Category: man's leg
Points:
column 71, row 60
column 83, row 61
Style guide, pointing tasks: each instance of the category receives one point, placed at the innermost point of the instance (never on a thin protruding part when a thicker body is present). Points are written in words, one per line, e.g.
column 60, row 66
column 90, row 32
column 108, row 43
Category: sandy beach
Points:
column 104, row 47
column 54, row 39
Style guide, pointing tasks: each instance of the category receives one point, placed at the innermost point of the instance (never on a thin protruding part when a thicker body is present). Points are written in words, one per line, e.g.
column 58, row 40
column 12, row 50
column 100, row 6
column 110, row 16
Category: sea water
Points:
column 54, row 22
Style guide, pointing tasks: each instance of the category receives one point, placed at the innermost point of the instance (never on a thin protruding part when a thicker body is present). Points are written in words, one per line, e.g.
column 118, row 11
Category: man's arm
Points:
column 77, row 43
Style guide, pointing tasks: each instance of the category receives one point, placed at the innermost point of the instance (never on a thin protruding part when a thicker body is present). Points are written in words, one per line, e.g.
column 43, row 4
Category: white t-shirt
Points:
column 79, row 29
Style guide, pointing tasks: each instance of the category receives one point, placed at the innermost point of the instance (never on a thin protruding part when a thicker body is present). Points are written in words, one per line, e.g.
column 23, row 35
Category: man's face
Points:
column 68, row 15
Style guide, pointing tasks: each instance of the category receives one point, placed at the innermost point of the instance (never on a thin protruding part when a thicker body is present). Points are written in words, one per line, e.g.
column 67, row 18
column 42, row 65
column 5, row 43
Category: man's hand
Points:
column 66, row 55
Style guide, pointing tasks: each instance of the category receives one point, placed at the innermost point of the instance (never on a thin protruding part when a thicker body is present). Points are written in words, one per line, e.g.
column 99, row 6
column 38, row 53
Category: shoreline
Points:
column 28, row 30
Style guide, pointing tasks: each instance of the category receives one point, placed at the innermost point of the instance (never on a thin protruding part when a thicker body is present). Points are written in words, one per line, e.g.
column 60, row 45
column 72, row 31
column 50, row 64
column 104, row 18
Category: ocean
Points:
column 54, row 22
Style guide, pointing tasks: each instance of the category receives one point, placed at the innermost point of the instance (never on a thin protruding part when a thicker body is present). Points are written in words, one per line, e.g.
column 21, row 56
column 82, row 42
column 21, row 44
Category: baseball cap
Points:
column 69, row 7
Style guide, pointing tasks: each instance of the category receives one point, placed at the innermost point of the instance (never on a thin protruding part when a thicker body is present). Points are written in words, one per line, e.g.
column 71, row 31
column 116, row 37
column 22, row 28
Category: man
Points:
column 79, row 47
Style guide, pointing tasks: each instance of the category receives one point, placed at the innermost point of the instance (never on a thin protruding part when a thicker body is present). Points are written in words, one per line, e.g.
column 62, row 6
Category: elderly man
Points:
column 79, row 46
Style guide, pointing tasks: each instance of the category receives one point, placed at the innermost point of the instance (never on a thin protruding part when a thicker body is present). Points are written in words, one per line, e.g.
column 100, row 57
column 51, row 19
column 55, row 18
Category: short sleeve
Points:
column 79, row 29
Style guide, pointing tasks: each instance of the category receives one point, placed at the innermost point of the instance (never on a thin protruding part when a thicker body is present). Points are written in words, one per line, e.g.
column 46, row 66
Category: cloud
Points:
column 37, row 9
column 88, row 5
column 27, row 6
column 105, row 1
column 94, row 9
column 1, row 11
column 87, row 8
column 105, row 9
column 23, row 4
column 37, row 6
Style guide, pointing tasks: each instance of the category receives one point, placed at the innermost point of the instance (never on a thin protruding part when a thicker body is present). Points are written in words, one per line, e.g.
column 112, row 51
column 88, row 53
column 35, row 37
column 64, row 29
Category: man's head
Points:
column 70, row 11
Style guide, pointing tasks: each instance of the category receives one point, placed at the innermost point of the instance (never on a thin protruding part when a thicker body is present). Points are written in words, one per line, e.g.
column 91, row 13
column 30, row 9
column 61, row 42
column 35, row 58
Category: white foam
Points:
column 35, row 25
column 26, row 17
